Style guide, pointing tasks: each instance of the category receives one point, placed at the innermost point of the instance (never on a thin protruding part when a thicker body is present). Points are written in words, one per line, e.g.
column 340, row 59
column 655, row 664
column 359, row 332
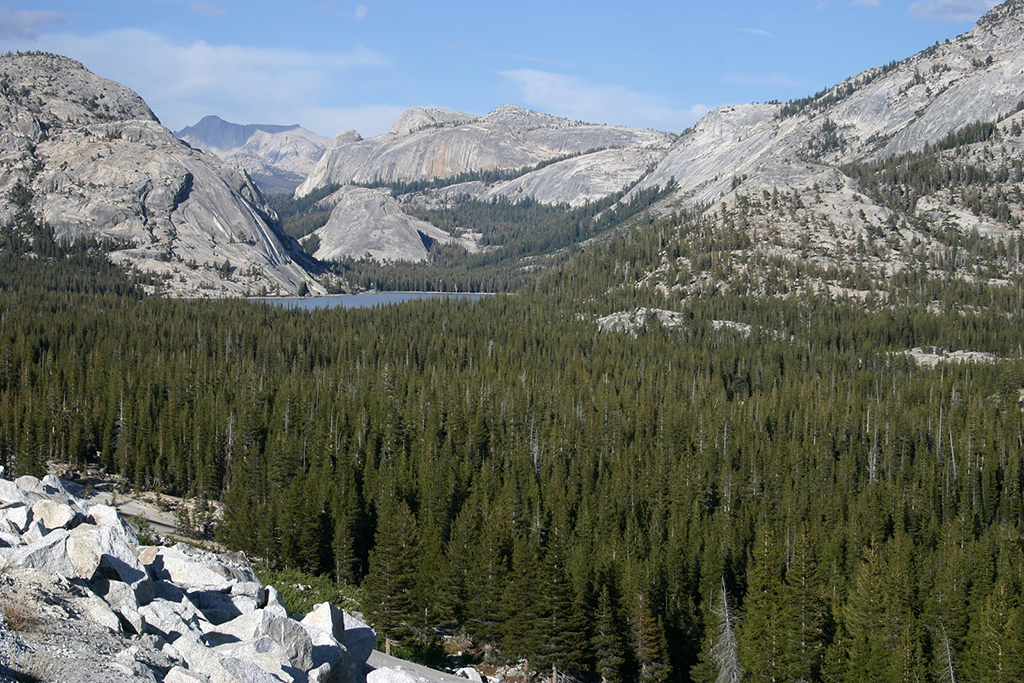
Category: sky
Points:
column 335, row 65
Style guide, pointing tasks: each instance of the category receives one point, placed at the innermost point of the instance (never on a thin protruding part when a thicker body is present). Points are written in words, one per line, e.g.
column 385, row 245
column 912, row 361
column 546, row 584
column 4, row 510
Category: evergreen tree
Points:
column 606, row 639
column 391, row 581
column 761, row 636
column 648, row 640
column 996, row 651
column 805, row 620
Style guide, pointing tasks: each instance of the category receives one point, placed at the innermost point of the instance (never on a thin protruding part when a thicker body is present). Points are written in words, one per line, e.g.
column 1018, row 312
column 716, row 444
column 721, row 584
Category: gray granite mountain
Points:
column 428, row 144
column 899, row 107
column 734, row 151
column 100, row 165
column 278, row 158
column 554, row 161
column 776, row 170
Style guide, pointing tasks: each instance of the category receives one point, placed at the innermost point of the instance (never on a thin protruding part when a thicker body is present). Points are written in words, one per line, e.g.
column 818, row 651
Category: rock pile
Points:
column 206, row 614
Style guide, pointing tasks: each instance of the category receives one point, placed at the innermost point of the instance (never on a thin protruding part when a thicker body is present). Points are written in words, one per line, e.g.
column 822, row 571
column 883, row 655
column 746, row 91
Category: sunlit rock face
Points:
column 100, row 165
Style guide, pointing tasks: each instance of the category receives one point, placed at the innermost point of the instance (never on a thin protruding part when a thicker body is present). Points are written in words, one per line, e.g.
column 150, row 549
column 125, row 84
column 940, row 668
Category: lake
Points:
column 370, row 299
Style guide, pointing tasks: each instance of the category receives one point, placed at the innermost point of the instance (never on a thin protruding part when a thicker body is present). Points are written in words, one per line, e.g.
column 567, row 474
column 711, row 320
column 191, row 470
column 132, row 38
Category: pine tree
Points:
column 995, row 652
column 606, row 640
column 761, row 636
column 391, row 581
column 805, row 622
column 521, row 603
column 648, row 637
column 558, row 638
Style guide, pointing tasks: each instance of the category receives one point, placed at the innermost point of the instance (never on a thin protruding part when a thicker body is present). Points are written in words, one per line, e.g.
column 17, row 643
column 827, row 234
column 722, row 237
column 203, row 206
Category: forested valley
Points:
column 800, row 501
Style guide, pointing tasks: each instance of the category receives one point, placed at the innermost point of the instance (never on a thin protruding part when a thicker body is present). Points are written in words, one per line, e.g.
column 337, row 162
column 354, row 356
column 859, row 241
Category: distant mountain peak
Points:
column 214, row 134
column 277, row 157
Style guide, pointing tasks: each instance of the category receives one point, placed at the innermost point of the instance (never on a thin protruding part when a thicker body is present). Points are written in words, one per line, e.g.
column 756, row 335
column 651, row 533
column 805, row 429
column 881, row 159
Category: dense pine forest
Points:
column 802, row 501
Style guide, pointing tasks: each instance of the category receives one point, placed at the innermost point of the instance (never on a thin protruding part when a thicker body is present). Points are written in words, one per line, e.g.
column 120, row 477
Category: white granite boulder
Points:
column 193, row 569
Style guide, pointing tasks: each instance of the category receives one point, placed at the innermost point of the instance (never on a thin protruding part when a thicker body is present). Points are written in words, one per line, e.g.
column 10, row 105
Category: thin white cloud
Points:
column 951, row 10
column 27, row 24
column 183, row 83
column 362, row 11
column 757, row 32
column 574, row 99
column 868, row 3
column 207, row 10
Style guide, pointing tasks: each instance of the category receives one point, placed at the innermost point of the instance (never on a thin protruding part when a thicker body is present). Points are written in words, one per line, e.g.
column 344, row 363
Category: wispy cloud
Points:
column 756, row 32
column 207, row 10
column 183, row 83
column 362, row 11
column 575, row 99
column 868, row 3
column 951, row 10
column 28, row 24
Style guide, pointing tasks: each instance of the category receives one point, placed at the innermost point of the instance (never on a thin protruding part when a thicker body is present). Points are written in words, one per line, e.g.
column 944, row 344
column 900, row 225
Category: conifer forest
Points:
column 787, row 497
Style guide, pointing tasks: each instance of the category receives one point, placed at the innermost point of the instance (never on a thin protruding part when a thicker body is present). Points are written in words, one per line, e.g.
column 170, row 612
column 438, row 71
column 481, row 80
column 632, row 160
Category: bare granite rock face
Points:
column 100, row 165
column 430, row 144
column 278, row 158
column 578, row 163
column 883, row 111
column 369, row 222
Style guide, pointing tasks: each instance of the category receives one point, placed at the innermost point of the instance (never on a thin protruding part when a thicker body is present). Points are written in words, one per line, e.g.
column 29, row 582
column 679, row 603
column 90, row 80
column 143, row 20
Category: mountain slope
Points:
column 369, row 222
column 883, row 111
column 277, row 157
column 97, row 163
column 434, row 144
column 806, row 183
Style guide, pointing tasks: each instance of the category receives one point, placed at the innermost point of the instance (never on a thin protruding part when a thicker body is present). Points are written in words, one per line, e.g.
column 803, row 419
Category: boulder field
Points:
column 76, row 578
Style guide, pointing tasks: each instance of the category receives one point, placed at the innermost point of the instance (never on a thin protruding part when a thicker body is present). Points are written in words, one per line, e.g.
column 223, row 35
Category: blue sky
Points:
column 333, row 65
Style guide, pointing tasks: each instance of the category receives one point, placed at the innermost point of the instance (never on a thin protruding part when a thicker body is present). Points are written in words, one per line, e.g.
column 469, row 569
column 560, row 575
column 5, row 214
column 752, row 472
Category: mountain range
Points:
column 98, row 163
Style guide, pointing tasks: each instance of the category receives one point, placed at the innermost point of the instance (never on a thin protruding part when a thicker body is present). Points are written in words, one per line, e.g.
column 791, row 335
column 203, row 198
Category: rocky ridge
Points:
column 99, row 165
column 883, row 111
column 561, row 161
column 431, row 144
column 277, row 158
column 775, row 172
column 82, row 600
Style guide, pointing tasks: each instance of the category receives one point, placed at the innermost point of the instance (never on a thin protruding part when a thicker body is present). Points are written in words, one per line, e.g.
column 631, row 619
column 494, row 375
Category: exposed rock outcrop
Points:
column 432, row 144
column 100, row 165
column 552, row 160
column 278, row 158
column 181, row 614
column 887, row 110
column 369, row 222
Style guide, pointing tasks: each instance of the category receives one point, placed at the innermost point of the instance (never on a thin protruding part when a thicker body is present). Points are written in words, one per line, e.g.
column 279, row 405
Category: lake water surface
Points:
column 370, row 299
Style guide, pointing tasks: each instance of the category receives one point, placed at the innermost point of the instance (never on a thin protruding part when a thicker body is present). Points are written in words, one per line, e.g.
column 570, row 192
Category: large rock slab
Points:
column 329, row 618
column 193, row 569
